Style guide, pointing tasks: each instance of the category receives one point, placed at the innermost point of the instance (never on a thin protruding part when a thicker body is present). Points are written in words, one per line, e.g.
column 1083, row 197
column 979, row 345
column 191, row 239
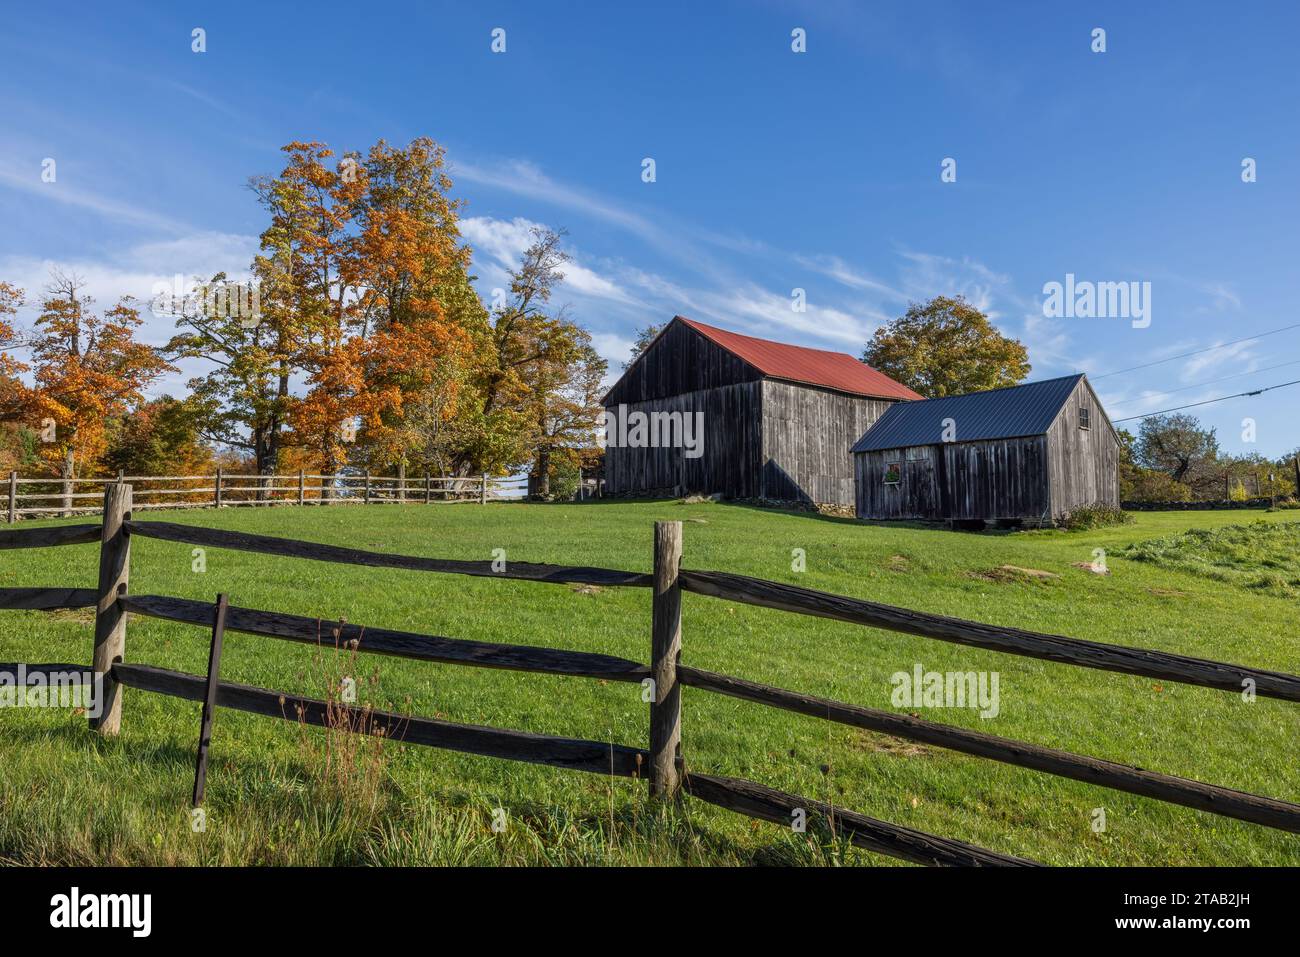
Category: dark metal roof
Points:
column 1018, row 410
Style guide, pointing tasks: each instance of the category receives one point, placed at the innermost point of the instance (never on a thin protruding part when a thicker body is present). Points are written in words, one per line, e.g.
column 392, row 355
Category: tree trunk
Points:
column 544, row 473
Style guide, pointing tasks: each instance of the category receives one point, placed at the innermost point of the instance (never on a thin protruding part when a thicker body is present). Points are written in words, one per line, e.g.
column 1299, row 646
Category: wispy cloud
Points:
column 62, row 192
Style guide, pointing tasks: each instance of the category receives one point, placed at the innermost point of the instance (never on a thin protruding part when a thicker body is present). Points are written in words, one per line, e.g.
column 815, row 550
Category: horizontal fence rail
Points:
column 292, row 548
column 1119, row 777
column 49, row 537
column 48, row 599
column 1072, row 651
column 769, row 804
column 384, row 641
column 571, row 753
column 662, row 765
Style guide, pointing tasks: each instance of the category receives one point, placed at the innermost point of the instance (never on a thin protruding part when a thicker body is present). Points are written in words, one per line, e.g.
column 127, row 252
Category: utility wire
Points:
column 1221, row 398
column 1201, row 385
column 1196, row 352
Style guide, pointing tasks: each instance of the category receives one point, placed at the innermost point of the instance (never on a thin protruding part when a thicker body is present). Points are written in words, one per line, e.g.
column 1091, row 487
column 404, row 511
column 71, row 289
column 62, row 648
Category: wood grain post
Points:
column 665, row 650
column 482, row 492
column 302, row 487
column 110, row 617
column 428, row 489
column 367, row 499
column 13, row 497
column 401, row 482
column 216, row 489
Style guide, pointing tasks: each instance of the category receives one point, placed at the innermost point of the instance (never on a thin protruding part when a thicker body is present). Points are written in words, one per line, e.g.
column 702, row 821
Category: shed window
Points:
column 893, row 473
column 1084, row 422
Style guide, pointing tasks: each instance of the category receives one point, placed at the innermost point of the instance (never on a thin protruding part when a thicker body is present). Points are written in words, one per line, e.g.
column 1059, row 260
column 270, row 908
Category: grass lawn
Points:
column 281, row 794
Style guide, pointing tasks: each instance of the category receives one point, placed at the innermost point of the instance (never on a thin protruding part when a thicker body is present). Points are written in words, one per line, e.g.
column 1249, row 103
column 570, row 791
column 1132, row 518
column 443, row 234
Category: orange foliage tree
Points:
column 86, row 369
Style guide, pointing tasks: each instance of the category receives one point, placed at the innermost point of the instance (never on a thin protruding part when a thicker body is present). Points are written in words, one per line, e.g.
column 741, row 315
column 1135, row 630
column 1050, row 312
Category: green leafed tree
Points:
column 946, row 347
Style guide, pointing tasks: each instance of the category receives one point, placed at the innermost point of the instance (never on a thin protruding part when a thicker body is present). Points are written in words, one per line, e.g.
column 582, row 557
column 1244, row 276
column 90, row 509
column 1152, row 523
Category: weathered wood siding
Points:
column 998, row 479
column 807, row 434
column 731, row 462
column 917, row 493
column 680, row 361
column 1083, row 463
column 990, row 480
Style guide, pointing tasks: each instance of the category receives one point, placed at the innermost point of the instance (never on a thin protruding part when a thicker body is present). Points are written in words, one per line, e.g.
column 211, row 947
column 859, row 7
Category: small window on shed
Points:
column 893, row 473
column 1084, row 413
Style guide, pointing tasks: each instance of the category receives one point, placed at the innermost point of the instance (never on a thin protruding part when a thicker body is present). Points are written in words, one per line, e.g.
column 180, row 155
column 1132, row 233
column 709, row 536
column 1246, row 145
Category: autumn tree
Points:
column 87, row 369
column 946, row 347
column 526, row 340
column 399, row 352
column 14, row 396
column 563, row 406
column 160, row 437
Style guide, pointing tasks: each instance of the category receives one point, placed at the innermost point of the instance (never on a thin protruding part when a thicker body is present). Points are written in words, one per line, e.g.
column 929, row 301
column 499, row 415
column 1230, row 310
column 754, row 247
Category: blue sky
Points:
column 775, row 169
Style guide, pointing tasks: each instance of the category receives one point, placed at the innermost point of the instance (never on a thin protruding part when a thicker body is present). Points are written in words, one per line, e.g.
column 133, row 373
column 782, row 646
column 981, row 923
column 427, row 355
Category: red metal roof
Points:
column 831, row 370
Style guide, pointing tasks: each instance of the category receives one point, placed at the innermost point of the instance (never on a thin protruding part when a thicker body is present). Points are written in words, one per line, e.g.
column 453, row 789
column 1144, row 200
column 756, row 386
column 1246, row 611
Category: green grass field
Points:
column 280, row 794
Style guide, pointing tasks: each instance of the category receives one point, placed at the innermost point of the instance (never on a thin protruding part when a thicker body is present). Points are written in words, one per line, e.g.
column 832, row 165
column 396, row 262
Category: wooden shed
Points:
column 1029, row 453
column 775, row 421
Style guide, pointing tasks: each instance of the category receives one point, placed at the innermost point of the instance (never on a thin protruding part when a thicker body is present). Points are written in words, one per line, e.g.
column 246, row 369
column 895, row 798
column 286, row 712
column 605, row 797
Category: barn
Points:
column 1029, row 453
column 705, row 410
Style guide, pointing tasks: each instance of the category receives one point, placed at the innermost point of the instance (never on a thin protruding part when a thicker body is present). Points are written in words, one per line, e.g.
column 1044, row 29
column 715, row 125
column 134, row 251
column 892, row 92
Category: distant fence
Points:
column 54, row 496
column 662, row 764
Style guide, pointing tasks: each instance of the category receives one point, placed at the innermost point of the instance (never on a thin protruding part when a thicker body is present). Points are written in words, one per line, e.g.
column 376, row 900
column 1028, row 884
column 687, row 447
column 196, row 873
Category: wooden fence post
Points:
column 427, row 487
column 482, row 494
column 302, row 487
column 110, row 618
column 367, row 500
column 209, row 700
column 401, row 482
column 13, row 497
column 216, row 489
column 665, row 650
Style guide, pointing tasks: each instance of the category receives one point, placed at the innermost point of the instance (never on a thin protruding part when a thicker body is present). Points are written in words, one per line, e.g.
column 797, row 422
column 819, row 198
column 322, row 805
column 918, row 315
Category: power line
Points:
column 1221, row 398
column 1201, row 385
column 1196, row 352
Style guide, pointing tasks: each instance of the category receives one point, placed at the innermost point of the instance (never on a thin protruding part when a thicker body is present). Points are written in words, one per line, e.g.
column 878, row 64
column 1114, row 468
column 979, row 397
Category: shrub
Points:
column 1096, row 515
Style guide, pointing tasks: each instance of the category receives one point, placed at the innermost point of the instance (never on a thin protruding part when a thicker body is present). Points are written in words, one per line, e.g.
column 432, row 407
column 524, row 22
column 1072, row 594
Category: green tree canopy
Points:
column 946, row 347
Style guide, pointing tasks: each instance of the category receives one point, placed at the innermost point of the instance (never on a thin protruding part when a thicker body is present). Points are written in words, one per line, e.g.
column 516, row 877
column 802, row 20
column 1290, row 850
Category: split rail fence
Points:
column 661, row 764
column 59, row 497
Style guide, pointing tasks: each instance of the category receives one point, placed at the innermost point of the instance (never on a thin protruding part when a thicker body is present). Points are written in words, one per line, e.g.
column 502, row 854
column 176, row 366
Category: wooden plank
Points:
column 13, row 497
column 292, row 548
column 1120, row 777
column 1073, row 651
column 769, row 804
column 48, row 599
column 49, row 537
column 666, row 649
column 383, row 641
column 110, row 616
column 209, row 699
column 573, row 754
